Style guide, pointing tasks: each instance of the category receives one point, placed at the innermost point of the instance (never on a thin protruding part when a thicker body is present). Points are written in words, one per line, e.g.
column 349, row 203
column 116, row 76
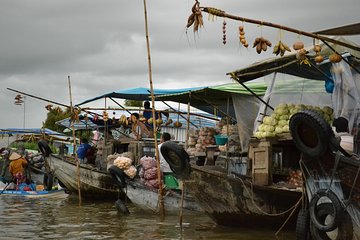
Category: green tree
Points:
column 54, row 115
column 133, row 103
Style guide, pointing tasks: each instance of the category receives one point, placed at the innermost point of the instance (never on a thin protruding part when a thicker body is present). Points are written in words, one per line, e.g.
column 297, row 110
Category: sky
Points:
column 101, row 45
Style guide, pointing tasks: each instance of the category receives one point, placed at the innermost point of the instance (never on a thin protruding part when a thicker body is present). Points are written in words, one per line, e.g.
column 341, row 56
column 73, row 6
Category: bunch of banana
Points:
column 281, row 48
column 123, row 120
column 261, row 44
column 168, row 122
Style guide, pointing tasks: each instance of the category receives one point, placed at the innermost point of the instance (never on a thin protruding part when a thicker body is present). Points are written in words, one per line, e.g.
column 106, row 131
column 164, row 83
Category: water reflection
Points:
column 24, row 218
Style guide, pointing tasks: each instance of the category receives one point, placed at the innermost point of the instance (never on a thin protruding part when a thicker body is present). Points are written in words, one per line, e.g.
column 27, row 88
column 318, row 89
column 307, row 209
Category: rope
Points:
column 258, row 208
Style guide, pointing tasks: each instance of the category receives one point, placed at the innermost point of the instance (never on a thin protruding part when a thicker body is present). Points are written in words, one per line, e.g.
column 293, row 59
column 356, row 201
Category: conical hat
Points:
column 14, row 156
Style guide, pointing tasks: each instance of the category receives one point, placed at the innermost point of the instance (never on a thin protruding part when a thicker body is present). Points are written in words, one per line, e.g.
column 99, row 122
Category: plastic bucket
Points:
column 220, row 139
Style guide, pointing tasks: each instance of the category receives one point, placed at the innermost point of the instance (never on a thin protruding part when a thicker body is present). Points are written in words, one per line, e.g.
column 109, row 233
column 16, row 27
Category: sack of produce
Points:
column 122, row 162
column 130, row 172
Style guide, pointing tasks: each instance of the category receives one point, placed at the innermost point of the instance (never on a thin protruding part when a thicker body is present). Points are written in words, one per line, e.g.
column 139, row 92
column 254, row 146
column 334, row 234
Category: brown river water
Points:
column 63, row 218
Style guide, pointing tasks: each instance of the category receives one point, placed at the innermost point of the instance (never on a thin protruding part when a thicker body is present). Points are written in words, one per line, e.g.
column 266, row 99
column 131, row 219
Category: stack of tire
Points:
column 325, row 216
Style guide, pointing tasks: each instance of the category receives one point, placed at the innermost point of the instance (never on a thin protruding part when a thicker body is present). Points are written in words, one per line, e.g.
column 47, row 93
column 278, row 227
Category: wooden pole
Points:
column 161, row 196
column 221, row 13
column 187, row 124
column 178, row 117
column 74, row 143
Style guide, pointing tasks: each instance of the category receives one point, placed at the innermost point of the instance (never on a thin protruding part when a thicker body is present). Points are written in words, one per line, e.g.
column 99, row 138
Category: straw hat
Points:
column 14, row 156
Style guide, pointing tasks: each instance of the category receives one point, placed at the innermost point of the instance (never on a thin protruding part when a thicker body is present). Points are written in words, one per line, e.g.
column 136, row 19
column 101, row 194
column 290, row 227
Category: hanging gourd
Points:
column 242, row 38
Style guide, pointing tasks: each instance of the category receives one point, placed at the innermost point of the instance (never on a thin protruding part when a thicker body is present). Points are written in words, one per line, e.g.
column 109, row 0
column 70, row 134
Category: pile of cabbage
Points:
column 278, row 121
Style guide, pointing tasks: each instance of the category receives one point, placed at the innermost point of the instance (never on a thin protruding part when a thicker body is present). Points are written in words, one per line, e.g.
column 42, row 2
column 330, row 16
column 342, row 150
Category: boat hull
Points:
column 94, row 184
column 147, row 199
column 232, row 201
column 36, row 194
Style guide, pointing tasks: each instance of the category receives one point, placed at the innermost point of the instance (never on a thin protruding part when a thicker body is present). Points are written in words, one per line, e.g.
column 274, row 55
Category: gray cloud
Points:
column 101, row 45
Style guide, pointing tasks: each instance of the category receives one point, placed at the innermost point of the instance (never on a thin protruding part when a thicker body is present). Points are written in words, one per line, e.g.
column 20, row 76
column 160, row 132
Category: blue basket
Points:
column 220, row 139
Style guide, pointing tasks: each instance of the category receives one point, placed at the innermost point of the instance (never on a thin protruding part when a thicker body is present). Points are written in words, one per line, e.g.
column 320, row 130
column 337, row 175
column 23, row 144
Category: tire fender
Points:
column 48, row 181
column 177, row 158
column 118, row 175
column 344, row 230
column 44, row 148
column 335, row 210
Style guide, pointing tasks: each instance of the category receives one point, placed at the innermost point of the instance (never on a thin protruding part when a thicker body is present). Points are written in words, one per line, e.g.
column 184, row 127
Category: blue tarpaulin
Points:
column 139, row 94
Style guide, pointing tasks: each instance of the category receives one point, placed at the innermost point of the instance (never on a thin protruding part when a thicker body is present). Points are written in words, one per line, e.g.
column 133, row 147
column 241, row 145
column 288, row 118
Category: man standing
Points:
column 164, row 166
column 82, row 150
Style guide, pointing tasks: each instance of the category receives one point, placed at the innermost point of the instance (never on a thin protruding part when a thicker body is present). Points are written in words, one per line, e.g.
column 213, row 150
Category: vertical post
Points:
column 24, row 112
column 187, row 123
column 74, row 143
column 161, row 197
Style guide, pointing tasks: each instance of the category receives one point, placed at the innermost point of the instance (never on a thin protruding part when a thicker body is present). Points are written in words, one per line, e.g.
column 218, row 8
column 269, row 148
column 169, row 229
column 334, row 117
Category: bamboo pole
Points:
column 187, row 124
column 161, row 196
column 74, row 143
column 221, row 13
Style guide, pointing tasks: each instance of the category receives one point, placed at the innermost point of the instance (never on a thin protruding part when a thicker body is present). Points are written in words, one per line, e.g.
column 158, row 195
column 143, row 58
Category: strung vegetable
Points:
column 319, row 58
column 242, row 39
column 224, row 32
column 317, row 48
column 281, row 48
column 261, row 44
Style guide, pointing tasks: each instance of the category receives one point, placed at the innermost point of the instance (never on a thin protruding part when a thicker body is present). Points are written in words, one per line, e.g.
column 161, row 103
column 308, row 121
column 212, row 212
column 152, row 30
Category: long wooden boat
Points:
column 232, row 199
column 94, row 183
column 147, row 198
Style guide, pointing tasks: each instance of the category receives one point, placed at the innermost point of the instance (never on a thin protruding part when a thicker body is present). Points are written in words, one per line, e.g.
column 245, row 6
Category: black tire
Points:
column 303, row 225
column 177, row 158
column 118, row 175
column 310, row 133
column 121, row 207
column 44, row 148
column 344, row 228
column 335, row 210
column 48, row 181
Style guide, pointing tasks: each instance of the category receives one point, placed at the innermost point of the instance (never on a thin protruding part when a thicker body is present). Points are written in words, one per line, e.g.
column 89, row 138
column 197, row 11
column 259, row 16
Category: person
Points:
column 82, row 150
column 138, row 128
column 164, row 166
column 17, row 167
column 147, row 114
column 5, row 174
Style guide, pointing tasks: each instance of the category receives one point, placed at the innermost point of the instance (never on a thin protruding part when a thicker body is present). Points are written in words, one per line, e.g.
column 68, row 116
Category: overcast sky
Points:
column 101, row 45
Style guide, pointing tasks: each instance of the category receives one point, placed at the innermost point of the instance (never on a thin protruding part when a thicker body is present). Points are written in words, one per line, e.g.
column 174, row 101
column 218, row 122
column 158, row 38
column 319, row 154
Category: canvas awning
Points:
column 207, row 97
column 139, row 94
column 288, row 64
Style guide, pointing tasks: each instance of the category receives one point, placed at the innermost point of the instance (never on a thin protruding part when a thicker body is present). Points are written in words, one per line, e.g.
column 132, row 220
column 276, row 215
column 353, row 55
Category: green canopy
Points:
column 209, row 98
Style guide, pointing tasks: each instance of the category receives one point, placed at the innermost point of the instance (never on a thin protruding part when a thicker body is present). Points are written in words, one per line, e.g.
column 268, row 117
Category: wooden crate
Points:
column 260, row 156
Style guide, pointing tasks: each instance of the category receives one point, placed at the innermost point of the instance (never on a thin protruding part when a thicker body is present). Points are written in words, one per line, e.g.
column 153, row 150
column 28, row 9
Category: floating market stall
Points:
column 264, row 196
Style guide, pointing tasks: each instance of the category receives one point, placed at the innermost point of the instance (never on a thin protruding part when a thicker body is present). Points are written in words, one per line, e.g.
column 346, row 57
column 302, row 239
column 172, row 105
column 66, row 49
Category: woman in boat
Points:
column 17, row 167
column 82, row 150
column 138, row 128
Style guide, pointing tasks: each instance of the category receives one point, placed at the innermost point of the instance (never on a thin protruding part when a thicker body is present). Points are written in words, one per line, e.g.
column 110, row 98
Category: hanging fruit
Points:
column 242, row 38
column 335, row 58
column 319, row 58
column 224, row 32
column 317, row 48
column 281, row 48
column 105, row 116
column 298, row 45
column 261, row 44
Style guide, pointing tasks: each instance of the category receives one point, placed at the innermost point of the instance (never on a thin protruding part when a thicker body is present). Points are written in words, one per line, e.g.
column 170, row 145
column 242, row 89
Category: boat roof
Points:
column 288, row 64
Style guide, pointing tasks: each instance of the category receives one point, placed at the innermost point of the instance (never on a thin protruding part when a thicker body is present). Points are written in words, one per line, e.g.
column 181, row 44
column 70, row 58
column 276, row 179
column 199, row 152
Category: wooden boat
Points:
column 147, row 198
column 60, row 193
column 94, row 183
column 232, row 200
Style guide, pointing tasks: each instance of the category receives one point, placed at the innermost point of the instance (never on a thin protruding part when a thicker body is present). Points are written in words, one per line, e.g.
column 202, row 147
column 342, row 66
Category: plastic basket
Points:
column 220, row 139
column 170, row 182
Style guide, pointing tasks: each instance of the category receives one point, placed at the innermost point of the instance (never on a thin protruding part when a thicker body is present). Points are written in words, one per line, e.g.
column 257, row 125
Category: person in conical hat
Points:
column 17, row 166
